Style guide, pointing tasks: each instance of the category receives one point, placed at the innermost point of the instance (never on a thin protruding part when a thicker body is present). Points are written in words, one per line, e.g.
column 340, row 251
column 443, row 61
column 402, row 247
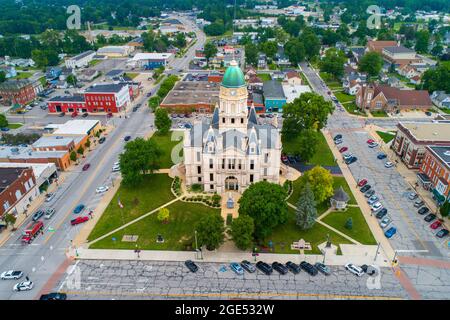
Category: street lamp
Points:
column 196, row 245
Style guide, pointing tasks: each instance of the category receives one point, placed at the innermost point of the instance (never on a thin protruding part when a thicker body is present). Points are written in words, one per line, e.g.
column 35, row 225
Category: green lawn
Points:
column 14, row 125
column 23, row 75
column 131, row 75
column 386, row 136
column 94, row 62
column 343, row 97
column 178, row 234
column 264, row 76
column 444, row 110
column 330, row 81
column 166, row 144
column 353, row 109
column 137, row 200
column 360, row 230
column 323, row 155
column 289, row 232
column 379, row 113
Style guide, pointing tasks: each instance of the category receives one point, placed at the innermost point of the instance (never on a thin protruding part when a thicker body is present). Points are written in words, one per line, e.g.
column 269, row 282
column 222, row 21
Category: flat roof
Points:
column 151, row 56
column 74, row 98
column 75, row 127
column 294, row 91
column 82, row 55
column 428, row 131
column 106, row 88
column 115, row 73
column 52, row 141
column 442, row 152
column 193, row 92
column 39, row 154
column 38, row 168
column 273, row 89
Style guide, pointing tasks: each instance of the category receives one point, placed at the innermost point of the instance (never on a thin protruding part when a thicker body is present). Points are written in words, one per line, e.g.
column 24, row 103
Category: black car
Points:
column 54, row 296
column 62, row 114
column 430, row 217
column 423, row 210
column 381, row 213
column 264, row 267
column 127, row 138
column 322, row 268
column 191, row 265
column 280, row 268
column 428, row 113
column 149, row 94
column 297, row 158
column 101, row 140
column 84, row 115
column 351, row 160
column 368, row 269
column 293, row 267
column 38, row 214
column 309, row 268
column 369, row 193
column 135, row 109
column 248, row 266
column 442, row 233
column 365, row 188
column 337, row 137
column 291, row 159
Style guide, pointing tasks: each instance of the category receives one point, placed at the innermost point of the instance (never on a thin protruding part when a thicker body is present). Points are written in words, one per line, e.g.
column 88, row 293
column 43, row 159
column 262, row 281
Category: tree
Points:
column 2, row 76
column 437, row 79
column 210, row 50
column 306, row 144
column 311, row 43
column 180, row 40
column 295, row 50
column 162, row 120
column 153, row 102
column 73, row 156
column 214, row 29
column 270, row 48
column 371, row 62
column 422, row 41
column 349, row 224
column 140, row 157
column 242, row 230
column 80, row 150
column 210, row 231
column 309, row 111
column 10, row 219
column 333, row 62
column 265, row 203
column 306, row 211
column 321, row 182
column 445, row 209
column 163, row 215
column 3, row 121
column 72, row 80
column 251, row 54
column 88, row 144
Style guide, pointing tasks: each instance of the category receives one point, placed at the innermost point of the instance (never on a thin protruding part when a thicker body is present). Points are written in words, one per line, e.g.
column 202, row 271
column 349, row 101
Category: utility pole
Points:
column 196, row 245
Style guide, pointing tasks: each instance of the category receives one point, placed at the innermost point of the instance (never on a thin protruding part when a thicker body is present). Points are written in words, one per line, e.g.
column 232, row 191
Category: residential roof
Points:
column 105, row 88
column 379, row 45
column 14, row 84
column 398, row 49
column 74, row 98
column 273, row 89
column 341, row 195
column 405, row 97
column 441, row 152
column 292, row 74
column 428, row 131
column 52, row 141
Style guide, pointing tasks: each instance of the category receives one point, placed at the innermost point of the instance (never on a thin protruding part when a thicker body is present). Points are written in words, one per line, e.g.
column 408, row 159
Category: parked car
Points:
column 412, row 196
column 86, row 166
column 62, row 114
column 381, row 156
column 37, row 215
column 380, row 214
column 191, row 265
column 390, row 232
column 101, row 189
column 442, row 233
column 369, row 193
column 388, row 164
column 430, row 217
column 343, row 149
column 337, row 137
column 11, row 275
column 101, row 140
column 4, row 129
column 370, row 270
column 423, row 210
column 49, row 213
column 248, row 266
column 322, row 268
column 376, row 206
column 373, row 145
column 116, row 168
column 372, row 200
column 291, row 159
column 347, row 156
column 293, row 267
column 309, row 268
column 280, row 268
column 418, row 203
column 23, row 286
column 79, row 220
column 84, row 115
column 49, row 197
column 54, row 296
column 351, row 160
column 74, row 114
column 338, row 142
column 365, row 188
column 236, row 268
column 284, row 158
column 127, row 138
column 264, row 267
column 362, row 182
column 436, row 225
column 354, row 269
column 385, row 222
column 78, row 208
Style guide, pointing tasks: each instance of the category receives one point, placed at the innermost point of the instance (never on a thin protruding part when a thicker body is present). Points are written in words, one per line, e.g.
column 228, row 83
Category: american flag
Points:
column 119, row 203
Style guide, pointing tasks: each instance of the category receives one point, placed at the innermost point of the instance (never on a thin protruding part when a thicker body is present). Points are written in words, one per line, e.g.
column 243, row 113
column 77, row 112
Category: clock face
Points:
column 233, row 92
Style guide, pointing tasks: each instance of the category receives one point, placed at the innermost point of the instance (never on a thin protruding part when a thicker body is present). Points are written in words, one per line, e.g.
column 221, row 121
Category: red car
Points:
column 109, row 115
column 284, row 158
column 343, row 149
column 362, row 183
column 370, row 141
column 435, row 225
column 74, row 114
column 86, row 166
column 79, row 220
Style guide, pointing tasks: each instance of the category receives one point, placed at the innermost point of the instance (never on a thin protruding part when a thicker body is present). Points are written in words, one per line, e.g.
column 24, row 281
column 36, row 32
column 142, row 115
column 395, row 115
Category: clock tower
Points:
column 233, row 94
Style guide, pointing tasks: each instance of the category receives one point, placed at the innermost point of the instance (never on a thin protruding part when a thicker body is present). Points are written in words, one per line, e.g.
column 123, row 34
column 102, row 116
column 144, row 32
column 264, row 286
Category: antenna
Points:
column 233, row 27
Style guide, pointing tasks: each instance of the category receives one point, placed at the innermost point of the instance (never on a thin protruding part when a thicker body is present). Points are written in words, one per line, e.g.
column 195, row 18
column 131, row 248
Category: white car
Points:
column 49, row 197
column 385, row 222
column 11, row 274
column 116, row 164
column 101, row 189
column 412, row 196
column 376, row 206
column 115, row 168
column 373, row 145
column 23, row 286
column 354, row 269
column 388, row 164
column 49, row 213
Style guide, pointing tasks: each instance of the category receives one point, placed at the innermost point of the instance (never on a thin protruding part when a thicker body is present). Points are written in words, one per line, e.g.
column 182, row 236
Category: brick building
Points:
column 17, row 91
column 436, row 168
column 412, row 139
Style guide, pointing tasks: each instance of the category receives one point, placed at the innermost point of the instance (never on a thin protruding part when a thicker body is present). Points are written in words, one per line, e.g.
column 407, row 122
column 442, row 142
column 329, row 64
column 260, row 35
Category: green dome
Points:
column 233, row 77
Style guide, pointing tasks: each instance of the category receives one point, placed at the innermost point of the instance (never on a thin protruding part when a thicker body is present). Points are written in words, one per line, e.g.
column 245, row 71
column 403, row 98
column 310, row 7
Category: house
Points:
column 378, row 46
column 281, row 59
column 358, row 53
column 20, row 91
column 400, row 55
column 411, row 140
column 150, row 60
column 255, row 83
column 80, row 60
column 277, row 75
column 87, row 75
column 262, row 61
column 23, row 63
column 415, row 80
column 9, row 71
column 353, row 87
column 389, row 99
column 394, row 82
column 293, row 78
column 407, row 71
column 274, row 98
column 441, row 99
column 436, row 168
column 53, row 73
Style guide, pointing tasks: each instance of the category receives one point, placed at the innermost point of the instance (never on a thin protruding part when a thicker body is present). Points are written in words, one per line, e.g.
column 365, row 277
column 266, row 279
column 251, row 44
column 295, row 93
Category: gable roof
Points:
column 405, row 97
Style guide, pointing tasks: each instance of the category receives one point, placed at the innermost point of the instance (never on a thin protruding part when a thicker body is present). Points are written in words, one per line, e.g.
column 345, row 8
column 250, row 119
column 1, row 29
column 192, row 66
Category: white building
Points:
column 115, row 51
column 292, row 91
column 232, row 150
column 80, row 60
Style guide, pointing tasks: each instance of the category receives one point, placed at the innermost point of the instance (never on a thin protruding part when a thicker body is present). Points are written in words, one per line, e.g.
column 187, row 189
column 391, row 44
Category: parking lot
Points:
column 107, row 279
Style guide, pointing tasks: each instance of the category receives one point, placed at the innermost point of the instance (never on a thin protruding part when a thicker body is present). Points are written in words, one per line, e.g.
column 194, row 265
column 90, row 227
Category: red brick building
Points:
column 436, row 168
column 103, row 98
column 17, row 91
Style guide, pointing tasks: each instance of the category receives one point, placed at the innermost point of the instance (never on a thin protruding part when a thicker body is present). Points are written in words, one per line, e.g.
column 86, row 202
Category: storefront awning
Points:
column 439, row 197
